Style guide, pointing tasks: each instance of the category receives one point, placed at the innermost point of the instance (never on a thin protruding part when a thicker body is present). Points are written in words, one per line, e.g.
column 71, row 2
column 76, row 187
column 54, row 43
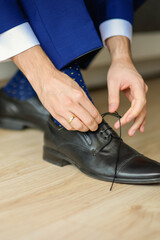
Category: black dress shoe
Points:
column 101, row 154
column 17, row 115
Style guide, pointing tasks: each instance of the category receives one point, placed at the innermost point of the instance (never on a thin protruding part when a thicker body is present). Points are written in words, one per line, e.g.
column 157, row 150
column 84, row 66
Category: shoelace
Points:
column 115, row 114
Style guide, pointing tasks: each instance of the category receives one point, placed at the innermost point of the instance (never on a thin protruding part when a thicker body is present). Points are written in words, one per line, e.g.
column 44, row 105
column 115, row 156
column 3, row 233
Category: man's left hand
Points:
column 122, row 76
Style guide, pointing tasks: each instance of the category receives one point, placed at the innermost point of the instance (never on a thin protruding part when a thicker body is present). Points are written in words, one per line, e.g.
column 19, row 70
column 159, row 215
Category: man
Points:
column 49, row 41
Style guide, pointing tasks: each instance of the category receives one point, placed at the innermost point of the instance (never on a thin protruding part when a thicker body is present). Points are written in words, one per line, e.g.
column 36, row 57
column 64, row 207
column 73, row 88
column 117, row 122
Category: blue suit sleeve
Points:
column 11, row 15
column 102, row 10
column 120, row 9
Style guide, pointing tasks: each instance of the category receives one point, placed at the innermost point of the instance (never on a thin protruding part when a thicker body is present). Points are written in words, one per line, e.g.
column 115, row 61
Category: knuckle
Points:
column 79, row 126
column 146, row 88
column 95, row 128
column 135, row 113
column 144, row 101
column 79, row 95
column 68, row 102
column 139, row 77
column 90, row 122
column 95, row 114
column 58, row 110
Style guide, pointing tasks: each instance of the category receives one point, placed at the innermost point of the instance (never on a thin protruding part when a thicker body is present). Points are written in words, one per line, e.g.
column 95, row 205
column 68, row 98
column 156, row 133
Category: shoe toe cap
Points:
column 140, row 168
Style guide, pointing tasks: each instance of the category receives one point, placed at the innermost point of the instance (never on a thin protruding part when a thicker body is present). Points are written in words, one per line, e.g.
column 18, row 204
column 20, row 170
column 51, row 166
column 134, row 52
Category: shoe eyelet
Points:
column 101, row 132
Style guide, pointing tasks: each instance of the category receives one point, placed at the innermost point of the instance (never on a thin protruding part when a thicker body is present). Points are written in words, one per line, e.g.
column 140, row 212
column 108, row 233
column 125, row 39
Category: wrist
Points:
column 125, row 60
column 119, row 48
column 35, row 65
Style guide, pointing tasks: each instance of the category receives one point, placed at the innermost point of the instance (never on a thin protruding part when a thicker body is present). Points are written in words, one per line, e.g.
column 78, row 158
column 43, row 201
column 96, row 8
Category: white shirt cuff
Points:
column 115, row 27
column 17, row 40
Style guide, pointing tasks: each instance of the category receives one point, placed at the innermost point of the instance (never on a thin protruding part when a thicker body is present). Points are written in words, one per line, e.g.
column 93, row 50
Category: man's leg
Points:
column 19, row 87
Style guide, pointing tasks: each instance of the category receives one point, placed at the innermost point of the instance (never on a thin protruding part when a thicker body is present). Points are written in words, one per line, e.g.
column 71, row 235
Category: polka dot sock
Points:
column 19, row 87
column 73, row 71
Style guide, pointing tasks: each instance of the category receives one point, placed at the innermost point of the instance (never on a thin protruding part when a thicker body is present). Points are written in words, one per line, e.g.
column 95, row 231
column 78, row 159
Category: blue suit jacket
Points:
column 66, row 29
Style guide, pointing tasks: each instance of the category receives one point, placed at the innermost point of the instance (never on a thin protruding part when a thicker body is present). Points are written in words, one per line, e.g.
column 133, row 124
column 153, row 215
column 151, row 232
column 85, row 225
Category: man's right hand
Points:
column 59, row 94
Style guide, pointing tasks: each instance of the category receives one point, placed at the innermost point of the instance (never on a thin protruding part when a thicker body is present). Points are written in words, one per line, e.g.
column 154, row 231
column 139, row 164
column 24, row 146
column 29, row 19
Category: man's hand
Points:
column 60, row 95
column 122, row 76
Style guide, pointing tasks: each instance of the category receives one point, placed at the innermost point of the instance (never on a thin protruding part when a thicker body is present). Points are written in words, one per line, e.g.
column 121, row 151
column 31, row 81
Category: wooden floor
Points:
column 39, row 201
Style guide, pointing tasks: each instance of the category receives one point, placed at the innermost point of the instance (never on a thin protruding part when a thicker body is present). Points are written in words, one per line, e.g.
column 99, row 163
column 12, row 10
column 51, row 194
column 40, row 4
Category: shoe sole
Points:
column 61, row 160
column 15, row 124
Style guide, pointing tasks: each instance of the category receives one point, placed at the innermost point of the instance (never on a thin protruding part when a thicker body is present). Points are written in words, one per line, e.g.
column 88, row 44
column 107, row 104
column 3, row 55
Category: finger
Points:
column 75, row 123
column 85, row 117
column 141, row 129
column 63, row 122
column 91, row 109
column 137, row 123
column 138, row 103
column 124, row 119
column 113, row 97
column 135, row 109
column 78, row 125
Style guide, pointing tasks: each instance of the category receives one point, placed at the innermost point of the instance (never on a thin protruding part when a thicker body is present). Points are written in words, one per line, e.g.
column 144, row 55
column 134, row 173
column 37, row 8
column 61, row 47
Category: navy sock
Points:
column 19, row 87
column 73, row 71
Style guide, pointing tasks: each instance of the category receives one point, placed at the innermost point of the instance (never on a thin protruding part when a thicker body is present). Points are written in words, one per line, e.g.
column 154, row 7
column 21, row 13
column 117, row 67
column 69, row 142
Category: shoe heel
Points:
column 11, row 124
column 54, row 157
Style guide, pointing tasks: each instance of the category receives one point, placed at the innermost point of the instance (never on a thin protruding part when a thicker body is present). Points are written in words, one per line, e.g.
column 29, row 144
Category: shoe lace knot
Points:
column 108, row 131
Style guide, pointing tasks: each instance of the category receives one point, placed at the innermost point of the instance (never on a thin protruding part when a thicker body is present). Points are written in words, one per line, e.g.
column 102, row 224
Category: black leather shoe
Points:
column 101, row 154
column 17, row 115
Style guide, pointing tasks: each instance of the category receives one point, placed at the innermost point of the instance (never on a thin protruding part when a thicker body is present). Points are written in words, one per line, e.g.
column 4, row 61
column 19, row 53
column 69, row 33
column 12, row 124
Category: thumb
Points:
column 113, row 97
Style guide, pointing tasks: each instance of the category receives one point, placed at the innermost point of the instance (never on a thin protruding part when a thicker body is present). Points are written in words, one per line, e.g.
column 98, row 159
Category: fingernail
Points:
column 112, row 107
column 116, row 125
column 132, row 132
